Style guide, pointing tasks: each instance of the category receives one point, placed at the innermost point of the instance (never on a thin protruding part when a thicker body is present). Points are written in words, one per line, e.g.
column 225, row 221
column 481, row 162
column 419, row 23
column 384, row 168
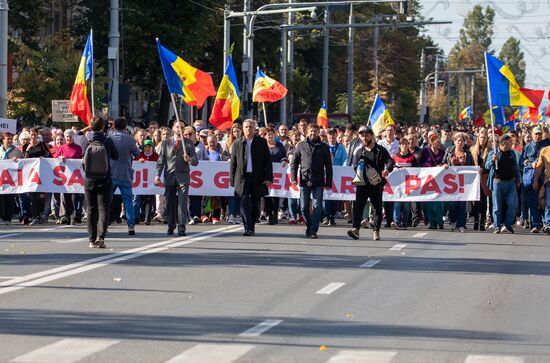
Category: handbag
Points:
column 372, row 175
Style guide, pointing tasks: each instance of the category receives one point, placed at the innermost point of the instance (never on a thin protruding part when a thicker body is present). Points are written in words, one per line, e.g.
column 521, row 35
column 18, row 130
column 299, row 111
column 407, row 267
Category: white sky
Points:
column 526, row 20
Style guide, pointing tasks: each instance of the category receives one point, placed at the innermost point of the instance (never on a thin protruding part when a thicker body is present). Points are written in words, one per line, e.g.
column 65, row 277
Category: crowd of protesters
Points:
column 514, row 178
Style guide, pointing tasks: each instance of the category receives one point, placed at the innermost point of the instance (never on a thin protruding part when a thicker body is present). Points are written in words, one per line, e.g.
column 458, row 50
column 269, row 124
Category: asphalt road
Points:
column 216, row 296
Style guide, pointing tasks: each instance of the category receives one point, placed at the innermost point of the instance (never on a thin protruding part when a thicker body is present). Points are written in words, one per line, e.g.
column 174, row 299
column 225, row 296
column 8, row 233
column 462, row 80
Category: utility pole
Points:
column 3, row 58
column 458, row 95
column 247, row 97
column 448, row 97
column 226, row 35
column 290, row 64
column 284, row 62
column 436, row 79
column 375, row 48
column 326, row 39
column 114, row 56
column 351, row 33
column 422, row 87
column 473, row 92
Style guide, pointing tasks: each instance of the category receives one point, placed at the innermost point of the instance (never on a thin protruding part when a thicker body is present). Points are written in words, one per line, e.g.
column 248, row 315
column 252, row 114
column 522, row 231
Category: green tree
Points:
column 475, row 39
column 512, row 55
column 45, row 74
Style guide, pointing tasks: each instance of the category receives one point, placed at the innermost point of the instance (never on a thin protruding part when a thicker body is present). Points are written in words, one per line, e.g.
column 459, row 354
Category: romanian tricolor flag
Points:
column 502, row 86
column 79, row 105
column 227, row 104
column 267, row 89
column 515, row 115
column 466, row 113
column 322, row 117
column 379, row 117
column 194, row 85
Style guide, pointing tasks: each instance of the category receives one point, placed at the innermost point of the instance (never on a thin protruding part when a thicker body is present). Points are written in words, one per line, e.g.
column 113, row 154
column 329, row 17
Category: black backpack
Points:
column 95, row 161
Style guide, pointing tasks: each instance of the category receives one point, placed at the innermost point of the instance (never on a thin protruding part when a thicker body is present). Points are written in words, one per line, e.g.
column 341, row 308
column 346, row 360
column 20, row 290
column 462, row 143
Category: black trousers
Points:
column 374, row 194
column 177, row 205
column 7, row 207
column 98, row 199
column 271, row 208
column 38, row 203
column 479, row 208
column 249, row 205
column 149, row 206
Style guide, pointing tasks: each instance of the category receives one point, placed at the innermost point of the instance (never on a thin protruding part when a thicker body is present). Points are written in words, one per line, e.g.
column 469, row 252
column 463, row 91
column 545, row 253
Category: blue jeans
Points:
column 504, row 192
column 138, row 206
column 547, row 204
column 234, row 206
column 531, row 212
column 331, row 207
column 458, row 213
column 401, row 208
column 312, row 220
column 293, row 208
column 125, row 188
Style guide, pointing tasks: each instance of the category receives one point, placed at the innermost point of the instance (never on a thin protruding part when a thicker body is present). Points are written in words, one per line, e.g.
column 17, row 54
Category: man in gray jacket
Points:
column 121, row 169
column 174, row 162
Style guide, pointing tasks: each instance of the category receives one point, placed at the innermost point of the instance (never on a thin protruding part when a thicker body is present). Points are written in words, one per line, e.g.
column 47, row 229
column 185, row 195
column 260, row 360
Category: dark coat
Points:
column 262, row 168
column 314, row 160
column 170, row 162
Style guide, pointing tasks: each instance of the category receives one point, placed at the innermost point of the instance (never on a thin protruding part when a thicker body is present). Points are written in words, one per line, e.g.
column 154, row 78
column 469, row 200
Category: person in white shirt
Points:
column 389, row 142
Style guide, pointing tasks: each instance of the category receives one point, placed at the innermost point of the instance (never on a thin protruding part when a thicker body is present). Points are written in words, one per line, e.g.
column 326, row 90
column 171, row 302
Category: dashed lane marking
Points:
column 398, row 247
column 330, row 288
column 260, row 328
column 66, row 351
column 370, row 263
column 207, row 353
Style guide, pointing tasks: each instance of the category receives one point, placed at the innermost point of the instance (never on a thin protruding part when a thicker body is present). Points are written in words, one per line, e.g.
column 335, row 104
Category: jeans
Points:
column 293, row 208
column 25, row 205
column 401, row 208
column 233, row 204
column 547, row 204
column 139, row 209
column 312, row 220
column 457, row 213
column 125, row 188
column 504, row 192
column 530, row 206
column 330, row 208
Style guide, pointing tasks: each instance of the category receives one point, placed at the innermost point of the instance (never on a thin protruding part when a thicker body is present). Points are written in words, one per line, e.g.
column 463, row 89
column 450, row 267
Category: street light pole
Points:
column 3, row 58
column 114, row 56
column 326, row 39
column 351, row 32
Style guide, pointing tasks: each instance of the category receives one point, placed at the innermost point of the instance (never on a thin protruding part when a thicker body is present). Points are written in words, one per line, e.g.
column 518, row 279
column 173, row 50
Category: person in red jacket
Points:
column 403, row 159
column 148, row 201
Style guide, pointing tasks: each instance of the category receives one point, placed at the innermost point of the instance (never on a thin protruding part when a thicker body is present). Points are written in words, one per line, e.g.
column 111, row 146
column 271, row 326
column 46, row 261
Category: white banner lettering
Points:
column 212, row 179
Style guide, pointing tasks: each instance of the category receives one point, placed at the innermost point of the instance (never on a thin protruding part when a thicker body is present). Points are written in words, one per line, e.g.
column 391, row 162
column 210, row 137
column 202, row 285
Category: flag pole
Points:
column 178, row 121
column 491, row 109
column 265, row 115
column 92, row 76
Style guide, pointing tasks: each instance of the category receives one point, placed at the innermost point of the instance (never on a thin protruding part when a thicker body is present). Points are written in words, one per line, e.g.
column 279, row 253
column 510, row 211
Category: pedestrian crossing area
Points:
column 70, row 350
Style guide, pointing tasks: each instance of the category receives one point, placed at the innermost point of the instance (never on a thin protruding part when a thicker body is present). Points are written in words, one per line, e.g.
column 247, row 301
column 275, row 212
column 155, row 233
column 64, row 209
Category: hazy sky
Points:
column 528, row 21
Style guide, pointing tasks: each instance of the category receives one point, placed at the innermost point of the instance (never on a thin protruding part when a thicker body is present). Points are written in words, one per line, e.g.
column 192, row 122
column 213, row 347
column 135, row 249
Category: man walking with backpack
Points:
column 98, row 184
column 123, row 174
column 378, row 164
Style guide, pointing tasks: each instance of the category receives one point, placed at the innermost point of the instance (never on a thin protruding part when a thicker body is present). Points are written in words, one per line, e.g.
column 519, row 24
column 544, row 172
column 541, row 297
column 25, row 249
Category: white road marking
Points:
column 260, row 328
column 493, row 359
column 51, row 229
column 10, row 235
column 398, row 247
column 419, row 234
column 370, row 263
column 207, row 353
column 362, row 356
column 330, row 288
column 7, row 277
column 101, row 261
column 66, row 351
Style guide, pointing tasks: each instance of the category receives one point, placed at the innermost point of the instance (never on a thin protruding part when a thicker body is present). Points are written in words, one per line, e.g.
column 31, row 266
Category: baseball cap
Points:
column 364, row 129
column 537, row 130
column 204, row 133
column 446, row 127
column 504, row 138
column 148, row 143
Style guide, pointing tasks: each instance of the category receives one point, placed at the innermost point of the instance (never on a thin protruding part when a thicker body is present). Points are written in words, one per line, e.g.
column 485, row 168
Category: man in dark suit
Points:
column 251, row 173
column 175, row 162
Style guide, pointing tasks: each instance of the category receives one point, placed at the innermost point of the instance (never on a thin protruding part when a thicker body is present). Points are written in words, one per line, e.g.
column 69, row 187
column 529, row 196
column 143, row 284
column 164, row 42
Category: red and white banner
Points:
column 211, row 178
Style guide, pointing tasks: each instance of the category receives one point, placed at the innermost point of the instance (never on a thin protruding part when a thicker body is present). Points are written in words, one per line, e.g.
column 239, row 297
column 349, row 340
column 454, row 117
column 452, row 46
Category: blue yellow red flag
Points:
column 379, row 117
column 322, row 117
column 502, row 88
column 79, row 105
column 267, row 89
column 227, row 104
column 466, row 113
column 194, row 85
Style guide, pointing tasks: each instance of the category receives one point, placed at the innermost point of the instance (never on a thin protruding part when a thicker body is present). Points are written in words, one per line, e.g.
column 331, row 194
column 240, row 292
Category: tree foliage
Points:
column 512, row 55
